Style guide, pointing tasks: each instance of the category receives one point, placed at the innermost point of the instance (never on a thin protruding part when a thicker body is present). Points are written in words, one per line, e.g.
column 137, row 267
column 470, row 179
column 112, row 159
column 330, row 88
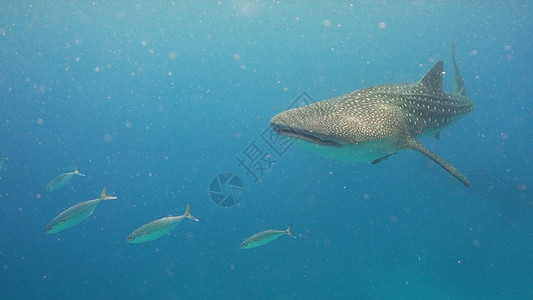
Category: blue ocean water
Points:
column 155, row 99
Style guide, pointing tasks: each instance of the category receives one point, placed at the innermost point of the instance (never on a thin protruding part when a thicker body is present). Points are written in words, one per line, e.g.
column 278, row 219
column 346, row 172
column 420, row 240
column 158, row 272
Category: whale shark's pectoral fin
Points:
column 437, row 135
column 381, row 159
column 416, row 145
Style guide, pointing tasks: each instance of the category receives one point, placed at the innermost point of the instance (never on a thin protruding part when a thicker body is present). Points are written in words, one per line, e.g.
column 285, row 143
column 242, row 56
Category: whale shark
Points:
column 376, row 122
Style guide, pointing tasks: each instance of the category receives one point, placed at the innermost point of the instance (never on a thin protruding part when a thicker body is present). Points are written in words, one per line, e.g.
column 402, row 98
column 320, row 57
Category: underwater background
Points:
column 155, row 99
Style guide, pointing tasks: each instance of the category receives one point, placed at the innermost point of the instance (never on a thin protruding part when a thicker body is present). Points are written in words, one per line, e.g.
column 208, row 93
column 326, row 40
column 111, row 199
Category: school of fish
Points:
column 148, row 232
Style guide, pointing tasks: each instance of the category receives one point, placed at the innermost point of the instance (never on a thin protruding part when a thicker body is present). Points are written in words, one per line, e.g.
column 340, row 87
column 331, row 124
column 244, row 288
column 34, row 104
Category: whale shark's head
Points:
column 347, row 120
column 294, row 123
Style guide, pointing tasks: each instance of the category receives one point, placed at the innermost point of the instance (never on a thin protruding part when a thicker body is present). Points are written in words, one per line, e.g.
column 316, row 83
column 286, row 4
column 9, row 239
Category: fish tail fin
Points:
column 288, row 231
column 77, row 172
column 188, row 213
column 104, row 196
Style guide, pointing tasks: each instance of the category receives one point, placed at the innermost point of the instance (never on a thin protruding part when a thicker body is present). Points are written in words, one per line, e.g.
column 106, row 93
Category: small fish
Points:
column 2, row 161
column 61, row 180
column 158, row 228
column 75, row 214
column 265, row 237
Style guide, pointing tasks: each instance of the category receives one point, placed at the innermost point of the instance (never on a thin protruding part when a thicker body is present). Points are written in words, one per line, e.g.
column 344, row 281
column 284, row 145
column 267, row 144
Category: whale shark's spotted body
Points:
column 373, row 123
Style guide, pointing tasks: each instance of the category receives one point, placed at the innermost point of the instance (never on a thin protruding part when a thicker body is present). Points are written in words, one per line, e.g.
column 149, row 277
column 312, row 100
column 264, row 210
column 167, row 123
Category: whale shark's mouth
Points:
column 307, row 136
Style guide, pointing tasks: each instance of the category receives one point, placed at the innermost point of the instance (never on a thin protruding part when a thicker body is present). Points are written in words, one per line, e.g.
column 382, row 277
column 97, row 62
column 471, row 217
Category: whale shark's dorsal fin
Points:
column 459, row 83
column 433, row 78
